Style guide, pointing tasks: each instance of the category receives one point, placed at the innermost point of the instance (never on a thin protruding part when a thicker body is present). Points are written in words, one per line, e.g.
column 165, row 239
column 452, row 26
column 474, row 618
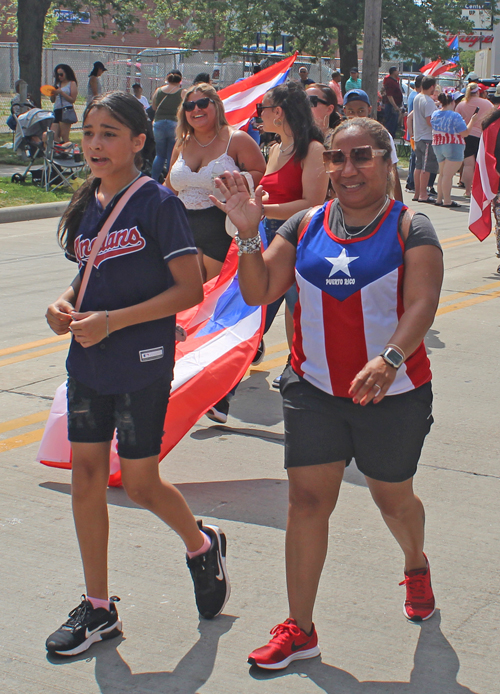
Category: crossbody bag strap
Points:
column 96, row 246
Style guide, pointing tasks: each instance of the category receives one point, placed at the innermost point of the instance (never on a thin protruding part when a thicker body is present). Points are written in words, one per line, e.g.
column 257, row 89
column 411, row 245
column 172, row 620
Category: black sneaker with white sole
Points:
column 86, row 625
column 208, row 571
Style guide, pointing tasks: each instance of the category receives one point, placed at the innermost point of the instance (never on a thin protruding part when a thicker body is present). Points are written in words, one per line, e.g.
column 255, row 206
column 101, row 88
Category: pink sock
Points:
column 204, row 548
column 97, row 602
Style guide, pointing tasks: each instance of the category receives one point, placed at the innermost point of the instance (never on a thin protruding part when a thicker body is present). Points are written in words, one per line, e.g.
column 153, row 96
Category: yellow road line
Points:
column 24, row 421
column 476, row 290
column 32, row 355
column 276, row 348
column 465, row 304
column 32, row 345
column 456, row 238
column 460, row 243
column 22, row 440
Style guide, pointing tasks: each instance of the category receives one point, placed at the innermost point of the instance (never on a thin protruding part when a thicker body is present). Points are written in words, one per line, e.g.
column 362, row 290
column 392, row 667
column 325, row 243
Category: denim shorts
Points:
column 138, row 417
column 385, row 439
column 451, row 152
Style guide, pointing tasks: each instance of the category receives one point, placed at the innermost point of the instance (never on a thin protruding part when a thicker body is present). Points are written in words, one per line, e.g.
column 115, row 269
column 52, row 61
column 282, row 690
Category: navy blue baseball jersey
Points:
column 131, row 267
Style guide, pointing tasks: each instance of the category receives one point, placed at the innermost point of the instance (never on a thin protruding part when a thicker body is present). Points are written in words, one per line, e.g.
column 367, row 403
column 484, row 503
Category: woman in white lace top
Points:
column 206, row 147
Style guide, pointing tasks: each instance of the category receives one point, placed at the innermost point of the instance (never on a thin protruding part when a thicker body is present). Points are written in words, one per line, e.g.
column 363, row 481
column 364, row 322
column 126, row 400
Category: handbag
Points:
column 69, row 115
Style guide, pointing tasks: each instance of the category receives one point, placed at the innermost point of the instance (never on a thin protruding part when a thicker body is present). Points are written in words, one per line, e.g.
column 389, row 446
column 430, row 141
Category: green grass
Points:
column 15, row 194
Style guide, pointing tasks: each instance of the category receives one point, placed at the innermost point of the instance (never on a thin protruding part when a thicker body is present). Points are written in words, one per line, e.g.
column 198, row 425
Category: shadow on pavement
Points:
column 433, row 341
column 113, row 675
column 435, row 670
column 232, row 500
column 215, row 431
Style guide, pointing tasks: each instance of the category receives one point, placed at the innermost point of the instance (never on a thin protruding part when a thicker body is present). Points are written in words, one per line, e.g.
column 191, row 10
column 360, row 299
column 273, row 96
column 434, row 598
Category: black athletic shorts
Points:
column 209, row 231
column 138, row 417
column 471, row 146
column 385, row 439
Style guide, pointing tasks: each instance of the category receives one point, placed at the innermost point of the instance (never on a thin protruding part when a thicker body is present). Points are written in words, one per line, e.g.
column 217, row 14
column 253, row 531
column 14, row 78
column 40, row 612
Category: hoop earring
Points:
column 326, row 120
column 277, row 122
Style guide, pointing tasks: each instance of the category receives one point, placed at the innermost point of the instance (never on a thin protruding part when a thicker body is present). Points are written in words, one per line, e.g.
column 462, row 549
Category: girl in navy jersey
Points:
column 358, row 385
column 121, row 360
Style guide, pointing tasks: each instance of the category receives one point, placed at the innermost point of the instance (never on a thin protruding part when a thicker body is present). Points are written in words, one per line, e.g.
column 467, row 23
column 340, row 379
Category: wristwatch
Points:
column 392, row 357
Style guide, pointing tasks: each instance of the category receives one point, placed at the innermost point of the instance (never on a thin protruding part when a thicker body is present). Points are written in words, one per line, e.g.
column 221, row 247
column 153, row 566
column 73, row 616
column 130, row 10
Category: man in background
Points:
column 354, row 81
column 392, row 100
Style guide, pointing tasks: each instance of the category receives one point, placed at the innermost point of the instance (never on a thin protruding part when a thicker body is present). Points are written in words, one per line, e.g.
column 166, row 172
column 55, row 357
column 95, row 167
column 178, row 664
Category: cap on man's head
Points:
column 100, row 66
column 456, row 96
column 337, row 73
column 303, row 69
column 472, row 77
column 482, row 87
column 356, row 95
column 353, row 69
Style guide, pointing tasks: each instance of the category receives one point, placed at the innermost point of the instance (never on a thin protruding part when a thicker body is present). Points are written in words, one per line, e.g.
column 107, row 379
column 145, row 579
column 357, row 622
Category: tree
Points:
column 31, row 20
column 231, row 25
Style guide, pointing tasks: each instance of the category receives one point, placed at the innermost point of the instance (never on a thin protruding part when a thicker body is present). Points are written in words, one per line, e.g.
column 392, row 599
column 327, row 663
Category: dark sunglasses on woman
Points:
column 201, row 103
column 259, row 108
column 361, row 157
column 315, row 100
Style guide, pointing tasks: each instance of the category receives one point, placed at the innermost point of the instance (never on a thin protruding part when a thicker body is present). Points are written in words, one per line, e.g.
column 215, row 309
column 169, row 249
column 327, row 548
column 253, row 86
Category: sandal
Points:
column 453, row 204
column 430, row 201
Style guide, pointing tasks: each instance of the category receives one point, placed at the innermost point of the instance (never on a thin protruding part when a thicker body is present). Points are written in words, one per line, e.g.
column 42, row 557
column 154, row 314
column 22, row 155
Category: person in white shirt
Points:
column 137, row 89
column 425, row 159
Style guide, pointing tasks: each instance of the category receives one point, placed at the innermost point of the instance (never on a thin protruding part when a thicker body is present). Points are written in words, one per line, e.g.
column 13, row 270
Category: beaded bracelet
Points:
column 248, row 245
column 107, row 323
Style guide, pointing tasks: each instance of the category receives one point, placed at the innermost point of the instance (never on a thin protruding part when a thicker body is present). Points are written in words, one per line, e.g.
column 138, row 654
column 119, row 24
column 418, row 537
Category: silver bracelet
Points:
column 248, row 245
column 107, row 323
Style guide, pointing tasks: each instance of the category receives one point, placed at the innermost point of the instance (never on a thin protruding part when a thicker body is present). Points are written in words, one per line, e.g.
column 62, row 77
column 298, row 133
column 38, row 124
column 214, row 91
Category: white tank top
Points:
column 194, row 187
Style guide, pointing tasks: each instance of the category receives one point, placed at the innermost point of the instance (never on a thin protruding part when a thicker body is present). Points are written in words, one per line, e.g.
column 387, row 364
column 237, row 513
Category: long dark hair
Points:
column 492, row 116
column 128, row 111
column 292, row 98
column 68, row 71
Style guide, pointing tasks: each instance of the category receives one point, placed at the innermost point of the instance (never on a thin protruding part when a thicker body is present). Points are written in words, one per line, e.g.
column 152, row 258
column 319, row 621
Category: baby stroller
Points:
column 28, row 142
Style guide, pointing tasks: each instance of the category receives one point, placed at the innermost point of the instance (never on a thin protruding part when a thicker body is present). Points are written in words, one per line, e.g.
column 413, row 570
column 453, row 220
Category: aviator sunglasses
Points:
column 361, row 158
column 201, row 103
column 315, row 100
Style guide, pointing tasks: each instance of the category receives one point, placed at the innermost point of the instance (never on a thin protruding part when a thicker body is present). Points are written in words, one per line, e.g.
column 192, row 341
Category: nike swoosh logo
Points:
column 302, row 645
column 92, row 631
column 220, row 575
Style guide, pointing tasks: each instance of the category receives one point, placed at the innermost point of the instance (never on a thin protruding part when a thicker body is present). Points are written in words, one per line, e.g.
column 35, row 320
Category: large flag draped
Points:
column 437, row 67
column 485, row 183
column 223, row 336
column 239, row 99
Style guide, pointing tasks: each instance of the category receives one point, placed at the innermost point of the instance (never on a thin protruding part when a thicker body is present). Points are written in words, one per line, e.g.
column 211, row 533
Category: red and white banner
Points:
column 223, row 336
column 239, row 99
column 437, row 67
column 485, row 183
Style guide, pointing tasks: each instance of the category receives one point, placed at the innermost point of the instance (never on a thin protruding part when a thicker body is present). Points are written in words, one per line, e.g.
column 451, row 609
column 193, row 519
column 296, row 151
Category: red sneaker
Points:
column 289, row 643
column 419, row 604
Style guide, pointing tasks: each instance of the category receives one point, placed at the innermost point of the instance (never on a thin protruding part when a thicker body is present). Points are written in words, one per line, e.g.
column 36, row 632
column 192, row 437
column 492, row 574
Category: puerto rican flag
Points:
column 437, row 67
column 239, row 99
column 223, row 336
column 485, row 183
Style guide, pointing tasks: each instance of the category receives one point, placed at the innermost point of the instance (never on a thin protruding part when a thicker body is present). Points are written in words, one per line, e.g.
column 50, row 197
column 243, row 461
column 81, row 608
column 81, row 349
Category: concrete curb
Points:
column 25, row 213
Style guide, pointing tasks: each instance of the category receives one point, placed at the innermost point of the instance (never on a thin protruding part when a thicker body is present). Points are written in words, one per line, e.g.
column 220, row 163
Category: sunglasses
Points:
column 60, row 74
column 315, row 100
column 201, row 103
column 260, row 107
column 361, row 158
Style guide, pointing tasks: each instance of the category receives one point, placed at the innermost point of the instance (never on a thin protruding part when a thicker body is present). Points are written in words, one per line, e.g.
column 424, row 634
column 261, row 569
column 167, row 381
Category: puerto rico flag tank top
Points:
column 350, row 302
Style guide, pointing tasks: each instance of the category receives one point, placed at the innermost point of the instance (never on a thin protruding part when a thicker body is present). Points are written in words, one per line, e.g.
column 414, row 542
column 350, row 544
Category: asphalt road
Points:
column 233, row 475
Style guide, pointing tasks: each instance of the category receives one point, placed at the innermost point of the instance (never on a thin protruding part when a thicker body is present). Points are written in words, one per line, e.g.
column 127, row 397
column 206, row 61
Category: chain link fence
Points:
column 149, row 67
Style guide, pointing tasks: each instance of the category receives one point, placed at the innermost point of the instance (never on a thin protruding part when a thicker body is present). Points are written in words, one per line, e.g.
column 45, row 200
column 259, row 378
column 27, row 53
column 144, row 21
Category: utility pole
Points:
column 372, row 49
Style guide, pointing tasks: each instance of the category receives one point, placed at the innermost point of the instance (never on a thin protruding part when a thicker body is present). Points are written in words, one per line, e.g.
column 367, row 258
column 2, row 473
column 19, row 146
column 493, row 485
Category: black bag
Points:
column 69, row 115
